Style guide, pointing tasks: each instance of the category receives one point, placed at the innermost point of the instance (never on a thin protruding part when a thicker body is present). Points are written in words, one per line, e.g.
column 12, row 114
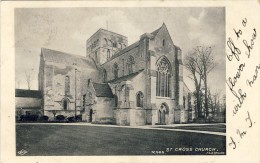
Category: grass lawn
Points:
column 213, row 128
column 60, row 140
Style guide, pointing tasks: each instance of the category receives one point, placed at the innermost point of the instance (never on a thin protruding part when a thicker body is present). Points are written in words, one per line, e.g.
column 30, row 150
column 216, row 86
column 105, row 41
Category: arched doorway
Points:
column 65, row 103
column 90, row 115
column 163, row 113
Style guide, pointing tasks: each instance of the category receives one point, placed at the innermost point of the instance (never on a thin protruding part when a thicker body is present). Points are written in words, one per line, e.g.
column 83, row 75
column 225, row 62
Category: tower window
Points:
column 163, row 43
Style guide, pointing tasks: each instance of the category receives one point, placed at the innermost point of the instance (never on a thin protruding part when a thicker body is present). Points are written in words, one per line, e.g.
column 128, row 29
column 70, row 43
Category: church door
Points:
column 161, row 116
column 65, row 105
column 163, row 111
column 90, row 115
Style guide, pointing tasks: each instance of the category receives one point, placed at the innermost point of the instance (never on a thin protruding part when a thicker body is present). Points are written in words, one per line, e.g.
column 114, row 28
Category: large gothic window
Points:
column 130, row 63
column 139, row 99
column 115, row 70
column 163, row 78
column 67, row 85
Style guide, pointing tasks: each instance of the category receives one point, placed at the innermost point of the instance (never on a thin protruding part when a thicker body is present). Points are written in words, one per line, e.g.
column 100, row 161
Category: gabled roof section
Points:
column 128, row 48
column 102, row 90
column 66, row 58
column 154, row 33
column 125, row 78
column 28, row 93
column 157, row 30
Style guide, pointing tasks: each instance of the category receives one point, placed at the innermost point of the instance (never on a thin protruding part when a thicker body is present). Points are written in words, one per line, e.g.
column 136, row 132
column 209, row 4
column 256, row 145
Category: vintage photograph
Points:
column 120, row 81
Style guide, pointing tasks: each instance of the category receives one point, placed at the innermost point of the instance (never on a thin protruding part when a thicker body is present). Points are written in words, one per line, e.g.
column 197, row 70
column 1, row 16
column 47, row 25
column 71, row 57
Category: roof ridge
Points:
column 126, row 49
column 126, row 76
column 65, row 53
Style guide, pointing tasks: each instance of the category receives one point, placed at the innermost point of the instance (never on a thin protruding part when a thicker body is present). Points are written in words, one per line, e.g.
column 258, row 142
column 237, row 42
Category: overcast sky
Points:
column 67, row 29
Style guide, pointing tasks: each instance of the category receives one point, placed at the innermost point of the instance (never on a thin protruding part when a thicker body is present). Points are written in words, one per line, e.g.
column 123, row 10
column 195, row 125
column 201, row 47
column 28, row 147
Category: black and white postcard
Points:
column 175, row 81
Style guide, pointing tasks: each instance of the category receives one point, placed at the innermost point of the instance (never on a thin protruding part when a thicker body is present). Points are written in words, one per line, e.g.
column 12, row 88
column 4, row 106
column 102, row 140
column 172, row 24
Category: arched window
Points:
column 108, row 54
column 120, row 46
column 110, row 43
column 105, row 41
column 115, row 70
column 163, row 77
column 104, row 76
column 115, row 44
column 65, row 103
column 67, row 85
column 184, row 101
column 130, row 63
column 96, row 56
column 139, row 99
column 116, row 100
column 163, row 43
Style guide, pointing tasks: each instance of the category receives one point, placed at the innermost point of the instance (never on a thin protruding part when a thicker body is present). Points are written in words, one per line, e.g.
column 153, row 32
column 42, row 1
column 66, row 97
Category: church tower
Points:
column 103, row 44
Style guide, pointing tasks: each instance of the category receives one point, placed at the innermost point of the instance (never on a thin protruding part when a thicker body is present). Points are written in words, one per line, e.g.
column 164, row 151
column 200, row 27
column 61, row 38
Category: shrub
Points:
column 60, row 117
column 29, row 117
column 71, row 119
column 79, row 118
column 44, row 118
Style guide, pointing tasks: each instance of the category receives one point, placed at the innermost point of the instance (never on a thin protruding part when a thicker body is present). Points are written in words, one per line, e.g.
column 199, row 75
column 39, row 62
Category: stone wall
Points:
column 54, row 86
column 139, row 62
column 103, row 110
column 28, row 102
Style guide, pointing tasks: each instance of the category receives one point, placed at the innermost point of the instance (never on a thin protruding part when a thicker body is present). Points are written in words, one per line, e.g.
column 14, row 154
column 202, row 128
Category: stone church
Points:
column 117, row 83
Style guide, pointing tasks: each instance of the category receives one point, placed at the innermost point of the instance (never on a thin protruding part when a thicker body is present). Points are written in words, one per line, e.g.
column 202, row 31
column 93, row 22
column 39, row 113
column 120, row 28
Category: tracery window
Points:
column 130, row 63
column 163, row 78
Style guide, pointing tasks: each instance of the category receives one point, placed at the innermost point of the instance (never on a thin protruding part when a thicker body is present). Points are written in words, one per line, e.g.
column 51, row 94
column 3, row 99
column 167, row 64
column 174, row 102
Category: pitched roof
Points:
column 68, row 59
column 156, row 31
column 128, row 48
column 125, row 78
column 102, row 90
column 28, row 93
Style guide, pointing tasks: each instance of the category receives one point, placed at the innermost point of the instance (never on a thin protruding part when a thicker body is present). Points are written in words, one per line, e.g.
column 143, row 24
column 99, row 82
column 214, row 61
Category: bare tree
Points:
column 206, row 60
column 191, row 62
column 200, row 63
column 29, row 77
